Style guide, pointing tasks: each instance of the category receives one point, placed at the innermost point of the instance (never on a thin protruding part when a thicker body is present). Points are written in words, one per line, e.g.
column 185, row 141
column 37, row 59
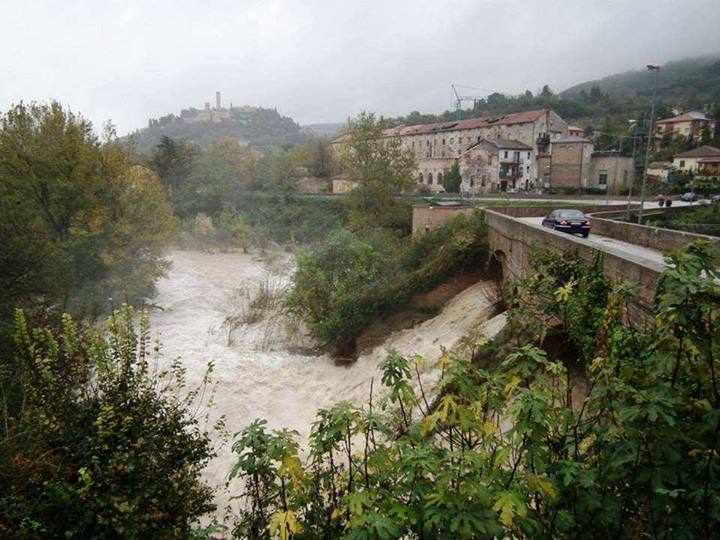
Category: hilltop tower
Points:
column 217, row 100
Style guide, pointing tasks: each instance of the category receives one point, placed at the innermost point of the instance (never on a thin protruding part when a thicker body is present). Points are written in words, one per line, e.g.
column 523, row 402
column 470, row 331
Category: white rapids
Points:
column 284, row 387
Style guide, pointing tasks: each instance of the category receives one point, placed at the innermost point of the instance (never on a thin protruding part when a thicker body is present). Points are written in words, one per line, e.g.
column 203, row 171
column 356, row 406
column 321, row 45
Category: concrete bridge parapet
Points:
column 606, row 223
column 513, row 240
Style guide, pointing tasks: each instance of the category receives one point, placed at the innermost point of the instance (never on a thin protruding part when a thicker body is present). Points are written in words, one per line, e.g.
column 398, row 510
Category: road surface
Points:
column 610, row 245
column 649, row 205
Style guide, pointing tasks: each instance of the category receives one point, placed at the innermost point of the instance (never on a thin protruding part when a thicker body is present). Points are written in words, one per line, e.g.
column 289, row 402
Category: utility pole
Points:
column 651, row 132
column 634, row 158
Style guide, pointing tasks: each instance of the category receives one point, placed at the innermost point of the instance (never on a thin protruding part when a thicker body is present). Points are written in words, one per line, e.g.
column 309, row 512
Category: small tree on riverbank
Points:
column 381, row 167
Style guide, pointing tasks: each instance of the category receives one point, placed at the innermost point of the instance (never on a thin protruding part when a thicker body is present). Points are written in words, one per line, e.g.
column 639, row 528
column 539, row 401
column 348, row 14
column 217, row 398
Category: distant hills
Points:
column 258, row 127
column 327, row 129
column 691, row 79
column 607, row 103
column 687, row 83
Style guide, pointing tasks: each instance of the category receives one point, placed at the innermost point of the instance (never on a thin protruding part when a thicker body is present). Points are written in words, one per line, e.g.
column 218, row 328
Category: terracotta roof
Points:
column 710, row 160
column 508, row 144
column 703, row 151
column 472, row 123
column 680, row 118
column 660, row 165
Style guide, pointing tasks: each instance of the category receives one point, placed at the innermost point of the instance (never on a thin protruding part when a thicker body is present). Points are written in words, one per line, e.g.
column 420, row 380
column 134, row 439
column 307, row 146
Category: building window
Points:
column 602, row 179
column 682, row 163
column 430, row 179
column 439, row 178
column 506, row 154
column 443, row 141
column 472, row 180
column 421, row 180
column 528, row 155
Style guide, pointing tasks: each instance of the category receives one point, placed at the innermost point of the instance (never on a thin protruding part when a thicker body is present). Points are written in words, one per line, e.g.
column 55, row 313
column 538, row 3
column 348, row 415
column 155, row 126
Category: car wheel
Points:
column 585, row 234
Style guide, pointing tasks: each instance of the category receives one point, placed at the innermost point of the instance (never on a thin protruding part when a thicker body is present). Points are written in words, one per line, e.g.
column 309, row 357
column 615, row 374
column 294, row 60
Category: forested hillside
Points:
column 691, row 81
column 688, row 83
column 261, row 128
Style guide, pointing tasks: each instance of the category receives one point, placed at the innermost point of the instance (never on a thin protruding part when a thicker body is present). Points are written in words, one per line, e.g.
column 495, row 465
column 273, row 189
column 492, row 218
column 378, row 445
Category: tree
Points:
column 320, row 157
column 452, row 179
column 83, row 224
column 546, row 92
column 173, row 161
column 381, row 167
column 218, row 177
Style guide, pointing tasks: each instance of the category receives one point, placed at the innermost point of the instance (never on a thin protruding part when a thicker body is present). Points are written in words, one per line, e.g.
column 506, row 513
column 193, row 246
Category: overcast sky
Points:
column 320, row 61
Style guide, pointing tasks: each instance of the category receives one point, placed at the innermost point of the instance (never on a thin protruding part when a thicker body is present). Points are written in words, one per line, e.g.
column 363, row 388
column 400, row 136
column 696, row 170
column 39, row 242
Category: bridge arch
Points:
column 497, row 265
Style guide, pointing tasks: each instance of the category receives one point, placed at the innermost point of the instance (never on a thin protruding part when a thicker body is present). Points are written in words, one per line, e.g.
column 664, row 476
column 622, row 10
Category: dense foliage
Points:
column 261, row 192
column 619, row 440
column 452, row 179
column 344, row 284
column 94, row 441
column 79, row 222
column 703, row 219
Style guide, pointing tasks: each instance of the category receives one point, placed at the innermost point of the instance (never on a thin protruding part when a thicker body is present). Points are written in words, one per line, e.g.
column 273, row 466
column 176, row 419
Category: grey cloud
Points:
column 321, row 61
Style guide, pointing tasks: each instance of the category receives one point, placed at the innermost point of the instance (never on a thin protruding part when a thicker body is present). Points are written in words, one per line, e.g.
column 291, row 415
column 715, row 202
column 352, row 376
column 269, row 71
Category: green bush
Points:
column 342, row 286
column 96, row 443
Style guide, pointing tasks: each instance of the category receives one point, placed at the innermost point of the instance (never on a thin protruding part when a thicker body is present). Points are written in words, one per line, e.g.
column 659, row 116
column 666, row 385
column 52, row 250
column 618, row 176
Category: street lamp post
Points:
column 650, row 134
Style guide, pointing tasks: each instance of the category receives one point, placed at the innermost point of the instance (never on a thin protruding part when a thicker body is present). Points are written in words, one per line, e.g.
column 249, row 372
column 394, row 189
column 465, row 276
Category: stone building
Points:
column 660, row 170
column 492, row 165
column 569, row 163
column 610, row 171
column 693, row 160
column 437, row 146
column 688, row 125
column 573, row 166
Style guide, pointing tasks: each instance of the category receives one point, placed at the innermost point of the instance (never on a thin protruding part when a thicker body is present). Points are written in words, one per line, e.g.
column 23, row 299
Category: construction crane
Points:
column 459, row 99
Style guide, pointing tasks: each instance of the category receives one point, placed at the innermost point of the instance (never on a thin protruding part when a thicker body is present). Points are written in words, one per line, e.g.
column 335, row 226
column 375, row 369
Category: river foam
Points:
column 255, row 380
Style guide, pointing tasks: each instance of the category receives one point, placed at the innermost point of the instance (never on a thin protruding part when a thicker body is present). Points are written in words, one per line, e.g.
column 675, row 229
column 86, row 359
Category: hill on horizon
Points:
column 607, row 103
column 258, row 127
column 695, row 79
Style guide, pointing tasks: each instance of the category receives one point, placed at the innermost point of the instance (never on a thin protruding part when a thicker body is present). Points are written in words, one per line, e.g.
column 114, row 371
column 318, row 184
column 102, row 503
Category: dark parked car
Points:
column 570, row 221
column 690, row 196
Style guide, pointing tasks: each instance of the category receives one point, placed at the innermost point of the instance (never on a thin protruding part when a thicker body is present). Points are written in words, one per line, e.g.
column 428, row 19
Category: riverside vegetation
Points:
column 615, row 434
column 511, row 445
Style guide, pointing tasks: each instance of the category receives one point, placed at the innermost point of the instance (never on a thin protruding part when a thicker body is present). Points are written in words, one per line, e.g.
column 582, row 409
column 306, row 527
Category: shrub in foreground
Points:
column 98, row 444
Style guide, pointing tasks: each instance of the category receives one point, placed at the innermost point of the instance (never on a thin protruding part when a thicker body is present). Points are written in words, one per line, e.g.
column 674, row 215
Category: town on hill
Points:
column 254, row 126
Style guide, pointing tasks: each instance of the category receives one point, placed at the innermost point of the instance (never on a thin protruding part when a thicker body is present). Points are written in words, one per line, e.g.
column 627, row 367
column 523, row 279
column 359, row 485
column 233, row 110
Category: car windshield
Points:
column 570, row 214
